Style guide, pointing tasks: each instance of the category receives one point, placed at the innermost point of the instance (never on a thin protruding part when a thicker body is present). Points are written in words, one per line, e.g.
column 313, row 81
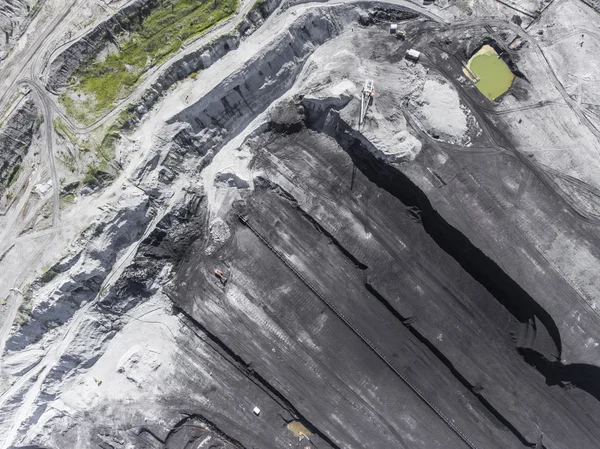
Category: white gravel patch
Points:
column 442, row 110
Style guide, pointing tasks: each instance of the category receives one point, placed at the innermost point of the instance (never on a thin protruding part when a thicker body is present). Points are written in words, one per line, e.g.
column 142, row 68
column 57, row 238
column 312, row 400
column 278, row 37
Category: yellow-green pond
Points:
column 493, row 75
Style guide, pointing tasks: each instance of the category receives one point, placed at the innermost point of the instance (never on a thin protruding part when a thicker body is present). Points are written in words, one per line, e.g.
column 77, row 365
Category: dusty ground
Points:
column 428, row 281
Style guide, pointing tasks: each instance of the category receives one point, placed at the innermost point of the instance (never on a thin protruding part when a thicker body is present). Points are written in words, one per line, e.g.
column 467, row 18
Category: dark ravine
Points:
column 455, row 372
column 578, row 375
column 152, row 434
column 518, row 302
column 501, row 286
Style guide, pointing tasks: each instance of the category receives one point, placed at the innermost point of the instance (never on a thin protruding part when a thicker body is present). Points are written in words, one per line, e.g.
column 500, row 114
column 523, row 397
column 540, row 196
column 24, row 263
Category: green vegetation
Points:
column 47, row 276
column 61, row 128
column 150, row 41
column 69, row 161
column 106, row 150
column 67, row 199
column 93, row 176
column 25, row 309
column 88, row 23
column 494, row 76
column 14, row 175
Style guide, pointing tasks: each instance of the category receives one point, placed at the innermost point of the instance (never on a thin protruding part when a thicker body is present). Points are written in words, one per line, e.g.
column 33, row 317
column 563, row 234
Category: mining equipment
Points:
column 413, row 55
column 395, row 31
column 366, row 99
column 221, row 276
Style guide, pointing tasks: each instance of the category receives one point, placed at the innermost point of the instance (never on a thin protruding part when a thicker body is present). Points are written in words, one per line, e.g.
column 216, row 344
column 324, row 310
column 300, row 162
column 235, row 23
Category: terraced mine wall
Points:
column 212, row 52
column 538, row 342
column 15, row 139
column 79, row 277
column 234, row 103
column 520, row 304
column 66, row 63
column 202, row 58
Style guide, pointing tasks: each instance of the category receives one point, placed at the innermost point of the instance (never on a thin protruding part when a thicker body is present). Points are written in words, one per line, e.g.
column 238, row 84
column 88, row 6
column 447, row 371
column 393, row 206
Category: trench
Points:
column 484, row 270
column 579, row 375
column 479, row 266
column 228, row 354
column 448, row 364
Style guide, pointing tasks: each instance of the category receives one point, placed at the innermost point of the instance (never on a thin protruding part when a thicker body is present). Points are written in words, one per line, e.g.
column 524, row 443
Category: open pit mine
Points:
column 256, row 224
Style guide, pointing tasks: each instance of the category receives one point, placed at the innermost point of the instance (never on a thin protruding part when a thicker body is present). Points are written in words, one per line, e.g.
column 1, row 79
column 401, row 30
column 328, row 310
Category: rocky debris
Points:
column 160, row 253
column 15, row 16
column 386, row 15
column 76, row 280
column 15, row 139
column 392, row 286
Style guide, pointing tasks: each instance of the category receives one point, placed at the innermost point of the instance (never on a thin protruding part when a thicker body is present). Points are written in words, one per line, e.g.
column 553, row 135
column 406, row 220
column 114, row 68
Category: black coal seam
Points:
column 584, row 377
column 483, row 269
column 289, row 197
column 254, row 377
column 442, row 358
column 209, row 424
column 152, row 434
column 333, row 240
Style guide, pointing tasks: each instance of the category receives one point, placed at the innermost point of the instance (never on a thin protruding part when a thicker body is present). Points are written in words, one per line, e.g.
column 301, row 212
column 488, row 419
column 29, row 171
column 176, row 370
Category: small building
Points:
column 256, row 411
column 412, row 55
column 393, row 28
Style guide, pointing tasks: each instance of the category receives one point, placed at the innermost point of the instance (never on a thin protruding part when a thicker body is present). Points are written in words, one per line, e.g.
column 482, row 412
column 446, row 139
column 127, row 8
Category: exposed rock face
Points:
column 267, row 274
column 204, row 57
column 15, row 139
column 65, row 64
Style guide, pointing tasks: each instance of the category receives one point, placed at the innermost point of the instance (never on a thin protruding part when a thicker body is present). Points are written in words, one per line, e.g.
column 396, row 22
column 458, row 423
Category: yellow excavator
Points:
column 221, row 276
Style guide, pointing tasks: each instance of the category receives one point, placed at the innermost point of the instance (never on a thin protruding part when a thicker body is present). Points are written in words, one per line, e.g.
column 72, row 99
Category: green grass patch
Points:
column 61, row 128
column 47, row 276
column 13, row 175
column 149, row 41
column 93, row 176
column 106, row 150
column 66, row 200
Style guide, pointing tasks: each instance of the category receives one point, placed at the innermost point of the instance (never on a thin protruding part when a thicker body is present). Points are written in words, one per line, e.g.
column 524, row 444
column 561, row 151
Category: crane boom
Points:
column 367, row 94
